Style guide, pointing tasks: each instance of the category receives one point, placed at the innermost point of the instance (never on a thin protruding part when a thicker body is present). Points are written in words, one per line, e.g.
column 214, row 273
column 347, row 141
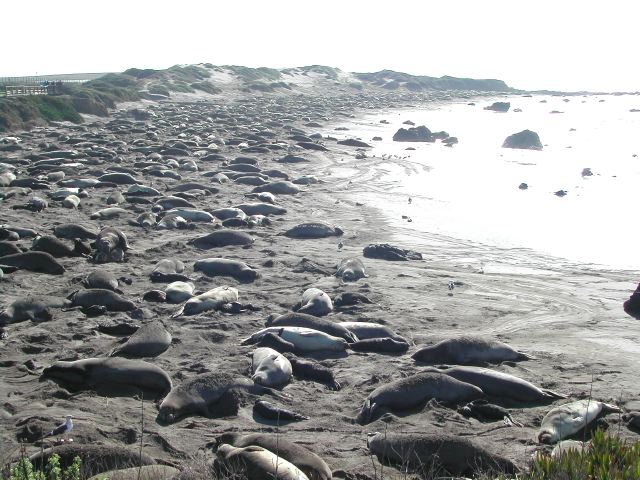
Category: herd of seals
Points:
column 139, row 238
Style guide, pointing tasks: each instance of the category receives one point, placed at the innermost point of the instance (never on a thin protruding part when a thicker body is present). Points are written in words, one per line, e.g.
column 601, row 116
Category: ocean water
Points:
column 470, row 191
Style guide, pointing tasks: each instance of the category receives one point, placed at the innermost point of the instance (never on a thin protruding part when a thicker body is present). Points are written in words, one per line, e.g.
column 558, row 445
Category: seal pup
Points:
column 205, row 394
column 500, row 385
column 315, row 302
column 110, row 245
column 307, row 461
column 226, row 268
column 371, row 330
column 428, row 452
column 268, row 410
column 109, row 373
column 313, row 230
column 36, row 309
column 409, row 392
column 282, row 187
column 213, row 299
column 304, row 339
column 90, row 297
column 71, row 231
column 309, row 321
column 351, row 269
column 261, row 209
column 39, row 262
column 468, row 350
column 108, row 213
column 168, row 270
column 221, row 238
column 565, row 420
column 102, row 279
column 308, row 369
column 178, row 292
column 150, row 340
column 257, row 463
column 270, row 368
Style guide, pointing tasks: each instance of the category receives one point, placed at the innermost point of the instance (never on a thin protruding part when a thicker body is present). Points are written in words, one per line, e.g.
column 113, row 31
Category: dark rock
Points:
column 632, row 306
column 586, row 172
column 389, row 252
column 414, row 134
column 525, row 139
column 499, row 107
column 560, row 193
column 523, row 186
column 352, row 142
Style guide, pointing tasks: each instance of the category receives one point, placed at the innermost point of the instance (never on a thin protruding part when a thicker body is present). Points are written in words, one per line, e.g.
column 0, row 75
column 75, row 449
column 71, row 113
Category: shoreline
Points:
column 562, row 319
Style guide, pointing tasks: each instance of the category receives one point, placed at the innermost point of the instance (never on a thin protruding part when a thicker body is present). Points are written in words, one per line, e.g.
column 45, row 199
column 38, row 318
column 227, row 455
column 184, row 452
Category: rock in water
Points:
column 632, row 306
column 417, row 134
column 525, row 139
column 499, row 106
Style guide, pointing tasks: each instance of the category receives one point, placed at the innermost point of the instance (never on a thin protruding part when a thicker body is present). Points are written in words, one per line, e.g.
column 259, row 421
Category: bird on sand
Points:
column 62, row 429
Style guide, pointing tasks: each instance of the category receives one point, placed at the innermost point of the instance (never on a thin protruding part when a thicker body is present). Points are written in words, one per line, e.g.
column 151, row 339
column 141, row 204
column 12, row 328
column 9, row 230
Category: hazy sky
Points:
column 559, row 44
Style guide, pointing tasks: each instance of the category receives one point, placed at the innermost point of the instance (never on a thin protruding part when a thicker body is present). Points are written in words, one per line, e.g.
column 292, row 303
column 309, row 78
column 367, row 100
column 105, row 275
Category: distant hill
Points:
column 197, row 82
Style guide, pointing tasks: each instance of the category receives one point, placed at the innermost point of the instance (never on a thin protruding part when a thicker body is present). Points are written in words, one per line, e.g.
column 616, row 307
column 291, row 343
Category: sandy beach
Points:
column 566, row 315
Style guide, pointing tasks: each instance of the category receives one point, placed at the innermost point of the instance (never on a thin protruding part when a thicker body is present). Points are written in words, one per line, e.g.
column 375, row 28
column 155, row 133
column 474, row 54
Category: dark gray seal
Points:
column 307, row 461
column 282, row 187
column 410, row 392
column 221, row 238
column 382, row 345
column 261, row 209
column 37, row 309
column 308, row 369
column 102, row 279
column 39, row 262
column 113, row 301
column 150, row 340
column 389, row 252
column 500, row 385
column 270, row 411
column 71, row 231
column 309, row 321
column 226, row 268
column 468, row 349
column 313, row 230
column 55, row 247
column 113, row 374
column 429, row 452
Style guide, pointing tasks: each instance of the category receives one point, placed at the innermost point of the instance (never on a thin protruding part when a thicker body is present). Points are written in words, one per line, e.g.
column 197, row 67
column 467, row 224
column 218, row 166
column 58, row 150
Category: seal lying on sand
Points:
column 112, row 373
column 313, row 230
column 213, row 299
column 467, row 350
column 270, row 368
column 111, row 244
column 315, row 302
column 409, row 392
column 270, row 411
column 500, row 385
column 309, row 321
column 113, row 301
column 351, row 269
column 389, row 252
column 36, row 309
column 102, row 279
column 304, row 339
column 369, row 330
column 221, row 238
column 308, row 369
column 226, row 268
column 307, row 461
column 150, row 340
column 168, row 270
column 257, row 463
column 433, row 452
column 39, row 262
column 570, row 418
column 203, row 395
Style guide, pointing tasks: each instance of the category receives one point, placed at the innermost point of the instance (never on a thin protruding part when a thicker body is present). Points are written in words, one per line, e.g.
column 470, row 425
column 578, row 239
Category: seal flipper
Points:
column 550, row 394
column 524, row 356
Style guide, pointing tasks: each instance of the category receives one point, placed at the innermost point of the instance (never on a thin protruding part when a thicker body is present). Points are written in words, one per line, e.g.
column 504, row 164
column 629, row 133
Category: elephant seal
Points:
column 351, row 269
column 150, row 340
column 205, row 394
column 315, row 302
column 384, row 345
column 304, row 339
column 429, row 452
column 347, row 299
column 270, row 368
column 221, row 238
column 370, row 330
column 565, row 420
column 257, row 463
column 213, row 299
column 483, row 410
column 632, row 306
column 119, row 179
column 37, row 309
column 178, row 292
column 110, row 245
column 191, row 215
column 112, row 374
column 168, row 270
column 227, row 213
column 145, row 472
column 39, row 262
column 308, row 369
column 71, row 231
column 276, row 342
column 72, row 201
column 154, row 296
column 310, row 321
column 108, row 213
column 53, row 246
column 313, row 230
column 226, row 268
column 307, row 461
column 282, row 187
column 389, row 252
column 409, row 392
column 113, row 301
column 102, row 279
column 500, row 385
column 95, row 459
column 9, row 248
column 270, row 411
column 564, row 447
column 265, row 209
column 467, row 350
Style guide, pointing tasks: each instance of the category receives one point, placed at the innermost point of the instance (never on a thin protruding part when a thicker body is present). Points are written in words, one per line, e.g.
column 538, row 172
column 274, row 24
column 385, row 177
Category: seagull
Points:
column 62, row 429
column 340, row 245
column 451, row 287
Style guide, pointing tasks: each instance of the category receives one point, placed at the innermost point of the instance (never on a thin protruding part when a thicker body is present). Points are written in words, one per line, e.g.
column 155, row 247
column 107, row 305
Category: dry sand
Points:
column 569, row 317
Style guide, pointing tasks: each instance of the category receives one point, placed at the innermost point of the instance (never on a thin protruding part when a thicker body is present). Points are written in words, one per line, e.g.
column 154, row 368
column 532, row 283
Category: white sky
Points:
column 541, row 44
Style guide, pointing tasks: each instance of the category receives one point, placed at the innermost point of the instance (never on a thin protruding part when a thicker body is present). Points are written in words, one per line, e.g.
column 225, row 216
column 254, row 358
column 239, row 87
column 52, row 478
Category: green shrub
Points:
column 52, row 471
column 207, row 87
column 608, row 458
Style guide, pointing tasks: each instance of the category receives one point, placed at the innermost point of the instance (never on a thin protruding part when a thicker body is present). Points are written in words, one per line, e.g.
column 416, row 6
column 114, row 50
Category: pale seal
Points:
column 565, row 420
column 304, row 339
column 257, row 463
column 39, row 262
column 210, row 300
column 309, row 321
column 226, row 268
column 410, row 392
column 270, row 368
column 37, row 309
column 261, row 209
column 168, row 270
column 270, row 411
column 113, row 301
column 315, row 302
column 178, row 292
column 221, row 238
